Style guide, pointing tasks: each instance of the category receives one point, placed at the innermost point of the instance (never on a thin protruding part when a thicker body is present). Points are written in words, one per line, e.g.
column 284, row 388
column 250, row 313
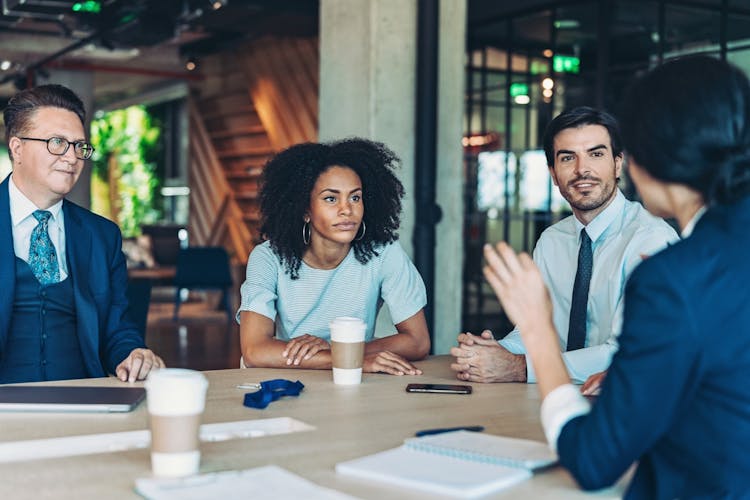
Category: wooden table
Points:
column 156, row 274
column 350, row 422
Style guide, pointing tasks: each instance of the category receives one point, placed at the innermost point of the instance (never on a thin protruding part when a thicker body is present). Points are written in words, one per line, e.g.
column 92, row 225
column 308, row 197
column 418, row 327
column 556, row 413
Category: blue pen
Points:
column 428, row 432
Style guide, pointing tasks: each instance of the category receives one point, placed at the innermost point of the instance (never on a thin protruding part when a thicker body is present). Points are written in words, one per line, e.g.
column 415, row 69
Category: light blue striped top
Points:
column 308, row 304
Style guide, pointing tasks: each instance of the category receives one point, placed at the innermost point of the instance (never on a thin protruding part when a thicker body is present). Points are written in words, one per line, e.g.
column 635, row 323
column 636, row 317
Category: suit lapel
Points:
column 78, row 251
column 7, row 263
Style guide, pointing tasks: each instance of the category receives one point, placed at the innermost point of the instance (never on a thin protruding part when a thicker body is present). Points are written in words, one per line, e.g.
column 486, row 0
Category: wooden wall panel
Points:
column 282, row 76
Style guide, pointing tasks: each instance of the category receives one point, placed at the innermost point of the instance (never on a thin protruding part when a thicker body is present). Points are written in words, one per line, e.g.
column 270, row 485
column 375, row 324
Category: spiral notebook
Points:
column 461, row 464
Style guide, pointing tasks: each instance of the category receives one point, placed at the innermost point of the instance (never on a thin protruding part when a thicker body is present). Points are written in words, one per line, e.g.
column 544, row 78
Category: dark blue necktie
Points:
column 271, row 390
column 42, row 254
column 580, row 300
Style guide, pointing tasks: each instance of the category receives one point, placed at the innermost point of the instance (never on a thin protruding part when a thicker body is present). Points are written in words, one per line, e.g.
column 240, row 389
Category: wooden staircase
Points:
column 242, row 147
column 251, row 102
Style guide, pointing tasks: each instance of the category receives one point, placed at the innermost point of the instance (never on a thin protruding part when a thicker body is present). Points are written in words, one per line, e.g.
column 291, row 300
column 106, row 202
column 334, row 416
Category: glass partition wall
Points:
column 526, row 66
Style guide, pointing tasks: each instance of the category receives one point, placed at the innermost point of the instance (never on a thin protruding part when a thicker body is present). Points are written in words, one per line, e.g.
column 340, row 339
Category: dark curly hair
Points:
column 289, row 177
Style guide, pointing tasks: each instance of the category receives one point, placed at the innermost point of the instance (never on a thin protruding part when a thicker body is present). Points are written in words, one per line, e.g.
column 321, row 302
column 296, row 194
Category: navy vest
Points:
column 42, row 342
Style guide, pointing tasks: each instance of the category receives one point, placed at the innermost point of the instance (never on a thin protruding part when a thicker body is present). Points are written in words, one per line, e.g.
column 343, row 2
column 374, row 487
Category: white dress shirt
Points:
column 622, row 235
column 23, row 223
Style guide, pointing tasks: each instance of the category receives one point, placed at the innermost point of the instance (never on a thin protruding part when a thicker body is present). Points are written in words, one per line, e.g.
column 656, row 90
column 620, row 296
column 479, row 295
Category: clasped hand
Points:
column 482, row 359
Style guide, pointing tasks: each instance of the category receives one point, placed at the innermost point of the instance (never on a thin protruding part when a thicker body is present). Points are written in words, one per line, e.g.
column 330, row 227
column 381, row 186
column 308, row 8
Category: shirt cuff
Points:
column 530, row 375
column 558, row 408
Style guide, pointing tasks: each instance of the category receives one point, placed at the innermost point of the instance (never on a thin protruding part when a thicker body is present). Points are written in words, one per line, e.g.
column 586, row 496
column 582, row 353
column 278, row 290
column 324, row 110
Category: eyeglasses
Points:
column 59, row 146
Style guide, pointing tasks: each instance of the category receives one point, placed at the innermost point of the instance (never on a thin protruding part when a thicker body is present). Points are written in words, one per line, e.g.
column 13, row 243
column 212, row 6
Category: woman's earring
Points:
column 364, row 228
column 306, row 232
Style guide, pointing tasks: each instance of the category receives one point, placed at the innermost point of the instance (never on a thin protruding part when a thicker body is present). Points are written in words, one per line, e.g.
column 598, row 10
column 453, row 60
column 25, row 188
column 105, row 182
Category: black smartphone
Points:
column 439, row 388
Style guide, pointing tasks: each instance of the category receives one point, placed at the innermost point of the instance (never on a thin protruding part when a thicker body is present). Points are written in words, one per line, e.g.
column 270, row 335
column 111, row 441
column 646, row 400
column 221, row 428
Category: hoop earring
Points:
column 306, row 232
column 364, row 228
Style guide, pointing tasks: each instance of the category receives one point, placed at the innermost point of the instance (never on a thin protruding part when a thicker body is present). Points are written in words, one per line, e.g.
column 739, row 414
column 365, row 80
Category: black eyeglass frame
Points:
column 77, row 146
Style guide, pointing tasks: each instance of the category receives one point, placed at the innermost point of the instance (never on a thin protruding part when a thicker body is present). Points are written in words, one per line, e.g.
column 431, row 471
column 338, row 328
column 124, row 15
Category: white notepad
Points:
column 487, row 448
column 460, row 464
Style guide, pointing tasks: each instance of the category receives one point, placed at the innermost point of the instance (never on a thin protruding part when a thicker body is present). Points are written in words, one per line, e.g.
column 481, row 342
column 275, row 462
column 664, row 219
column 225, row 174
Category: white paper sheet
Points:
column 35, row 449
column 263, row 483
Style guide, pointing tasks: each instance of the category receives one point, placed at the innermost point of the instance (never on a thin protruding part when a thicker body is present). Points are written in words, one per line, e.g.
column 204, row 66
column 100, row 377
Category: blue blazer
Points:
column 677, row 395
column 97, row 267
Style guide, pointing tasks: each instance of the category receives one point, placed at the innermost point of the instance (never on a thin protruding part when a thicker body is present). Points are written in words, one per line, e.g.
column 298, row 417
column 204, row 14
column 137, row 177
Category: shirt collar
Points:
column 21, row 207
column 596, row 227
column 688, row 230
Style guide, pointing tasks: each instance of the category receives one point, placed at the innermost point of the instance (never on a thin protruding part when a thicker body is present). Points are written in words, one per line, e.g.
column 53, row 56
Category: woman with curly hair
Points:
column 330, row 213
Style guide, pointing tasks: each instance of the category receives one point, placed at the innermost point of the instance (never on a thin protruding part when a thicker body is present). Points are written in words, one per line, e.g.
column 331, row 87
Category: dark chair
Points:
column 203, row 268
column 165, row 242
column 139, row 299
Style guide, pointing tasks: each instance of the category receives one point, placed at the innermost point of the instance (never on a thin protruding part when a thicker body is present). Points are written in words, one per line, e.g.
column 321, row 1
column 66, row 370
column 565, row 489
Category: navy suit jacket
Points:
column 677, row 395
column 97, row 267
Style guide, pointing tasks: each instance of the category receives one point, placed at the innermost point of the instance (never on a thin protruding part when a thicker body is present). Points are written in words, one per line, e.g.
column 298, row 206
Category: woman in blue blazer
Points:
column 676, row 399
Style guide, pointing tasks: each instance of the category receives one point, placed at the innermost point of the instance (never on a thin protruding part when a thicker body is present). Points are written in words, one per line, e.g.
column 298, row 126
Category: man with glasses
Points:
column 62, row 271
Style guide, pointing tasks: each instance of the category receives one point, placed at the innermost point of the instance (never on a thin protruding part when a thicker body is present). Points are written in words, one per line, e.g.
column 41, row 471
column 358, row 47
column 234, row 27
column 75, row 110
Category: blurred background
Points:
column 189, row 98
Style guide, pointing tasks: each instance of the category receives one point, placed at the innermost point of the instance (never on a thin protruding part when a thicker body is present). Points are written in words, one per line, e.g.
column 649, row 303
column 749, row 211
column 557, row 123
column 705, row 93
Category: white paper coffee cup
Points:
column 176, row 399
column 347, row 349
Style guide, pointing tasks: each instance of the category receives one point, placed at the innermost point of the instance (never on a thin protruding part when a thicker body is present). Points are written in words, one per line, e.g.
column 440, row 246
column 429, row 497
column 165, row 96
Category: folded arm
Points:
column 390, row 354
column 260, row 348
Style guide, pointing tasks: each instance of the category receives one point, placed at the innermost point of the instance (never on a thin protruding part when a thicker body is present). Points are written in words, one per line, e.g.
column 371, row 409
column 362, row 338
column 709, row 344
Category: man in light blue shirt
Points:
column 585, row 156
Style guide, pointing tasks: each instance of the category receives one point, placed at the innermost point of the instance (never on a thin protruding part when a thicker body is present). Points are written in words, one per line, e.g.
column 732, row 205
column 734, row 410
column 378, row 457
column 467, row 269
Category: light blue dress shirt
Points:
column 308, row 304
column 622, row 235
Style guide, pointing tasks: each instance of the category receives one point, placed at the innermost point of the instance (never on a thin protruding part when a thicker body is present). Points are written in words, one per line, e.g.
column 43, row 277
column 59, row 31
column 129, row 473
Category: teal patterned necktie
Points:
column 42, row 255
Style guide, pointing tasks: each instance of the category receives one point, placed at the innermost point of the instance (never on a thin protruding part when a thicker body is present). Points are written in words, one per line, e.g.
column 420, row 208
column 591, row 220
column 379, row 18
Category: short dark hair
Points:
column 22, row 106
column 289, row 177
column 688, row 122
column 578, row 117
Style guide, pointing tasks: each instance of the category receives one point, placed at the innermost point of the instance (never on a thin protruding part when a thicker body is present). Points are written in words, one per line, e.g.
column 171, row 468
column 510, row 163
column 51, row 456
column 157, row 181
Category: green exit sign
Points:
column 517, row 89
column 91, row 6
column 566, row 64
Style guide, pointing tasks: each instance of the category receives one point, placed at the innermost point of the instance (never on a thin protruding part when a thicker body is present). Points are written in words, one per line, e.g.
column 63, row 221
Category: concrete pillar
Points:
column 82, row 83
column 367, row 89
column 450, row 175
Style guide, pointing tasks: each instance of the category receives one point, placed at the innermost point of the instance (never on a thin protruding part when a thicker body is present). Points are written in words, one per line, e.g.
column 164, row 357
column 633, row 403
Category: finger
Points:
column 135, row 366
column 482, row 342
column 402, row 363
column 391, row 363
column 471, row 377
column 487, row 334
column 304, row 352
column 509, row 257
column 459, row 367
column 465, row 338
column 148, row 364
column 495, row 264
column 293, row 344
column 321, row 345
column 526, row 261
column 293, row 348
column 460, row 352
column 122, row 371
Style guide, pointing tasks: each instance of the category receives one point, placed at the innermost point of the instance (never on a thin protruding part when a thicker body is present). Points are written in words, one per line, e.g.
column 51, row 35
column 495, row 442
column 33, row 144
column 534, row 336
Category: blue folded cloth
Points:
column 271, row 390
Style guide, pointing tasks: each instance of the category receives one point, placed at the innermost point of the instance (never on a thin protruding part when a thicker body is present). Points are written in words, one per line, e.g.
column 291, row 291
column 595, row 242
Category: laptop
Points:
column 59, row 398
